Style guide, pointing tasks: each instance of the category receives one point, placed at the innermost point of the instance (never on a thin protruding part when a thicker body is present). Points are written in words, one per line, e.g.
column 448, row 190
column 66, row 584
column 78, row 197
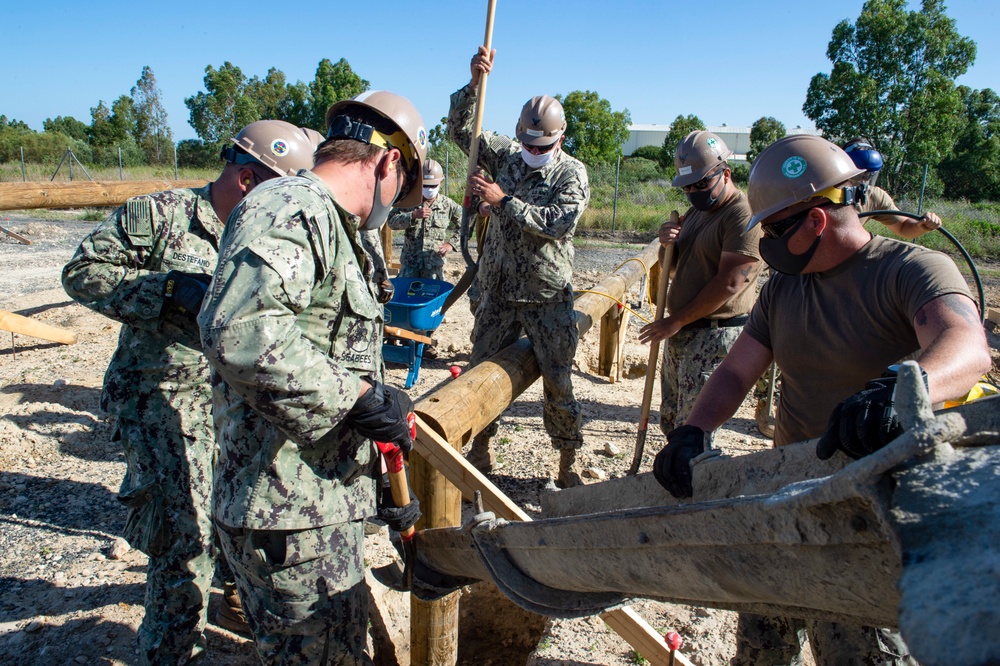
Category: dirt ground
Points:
column 73, row 591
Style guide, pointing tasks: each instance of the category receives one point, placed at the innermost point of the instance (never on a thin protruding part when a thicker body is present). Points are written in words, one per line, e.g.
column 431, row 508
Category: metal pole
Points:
column 24, row 178
column 614, row 205
column 69, row 153
column 920, row 204
column 175, row 162
column 447, row 157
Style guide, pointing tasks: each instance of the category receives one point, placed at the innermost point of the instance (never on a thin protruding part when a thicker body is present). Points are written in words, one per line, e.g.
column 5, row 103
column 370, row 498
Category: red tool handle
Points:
column 397, row 476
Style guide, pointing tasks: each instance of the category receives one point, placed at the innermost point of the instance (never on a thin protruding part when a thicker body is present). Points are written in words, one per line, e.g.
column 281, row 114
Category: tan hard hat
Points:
column 794, row 169
column 410, row 140
column 282, row 147
column 433, row 173
column 698, row 154
column 314, row 136
column 542, row 121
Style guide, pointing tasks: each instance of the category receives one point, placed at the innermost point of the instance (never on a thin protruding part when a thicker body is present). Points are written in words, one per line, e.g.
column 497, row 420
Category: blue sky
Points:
column 725, row 61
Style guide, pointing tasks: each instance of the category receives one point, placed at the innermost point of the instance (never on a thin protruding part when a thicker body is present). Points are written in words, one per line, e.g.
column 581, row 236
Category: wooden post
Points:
column 607, row 349
column 36, row 329
column 386, row 234
column 20, row 196
column 434, row 624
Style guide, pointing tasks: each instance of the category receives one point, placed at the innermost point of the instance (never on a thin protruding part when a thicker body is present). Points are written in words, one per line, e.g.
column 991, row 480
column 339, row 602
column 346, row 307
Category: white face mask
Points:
column 431, row 192
column 537, row 161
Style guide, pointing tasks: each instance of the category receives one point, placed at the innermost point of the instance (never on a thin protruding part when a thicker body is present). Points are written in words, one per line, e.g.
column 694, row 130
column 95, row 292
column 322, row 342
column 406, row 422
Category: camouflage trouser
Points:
column 303, row 592
column 691, row 356
column 431, row 267
column 551, row 329
column 168, row 490
column 777, row 641
column 763, row 386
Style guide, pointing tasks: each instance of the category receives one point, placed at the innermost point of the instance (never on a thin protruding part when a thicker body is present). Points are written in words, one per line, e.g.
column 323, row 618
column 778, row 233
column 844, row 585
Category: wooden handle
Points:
column 409, row 335
column 654, row 354
column 36, row 329
column 477, row 125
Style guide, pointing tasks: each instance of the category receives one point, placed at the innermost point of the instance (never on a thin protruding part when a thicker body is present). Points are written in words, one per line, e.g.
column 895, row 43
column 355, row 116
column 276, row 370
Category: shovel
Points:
column 654, row 354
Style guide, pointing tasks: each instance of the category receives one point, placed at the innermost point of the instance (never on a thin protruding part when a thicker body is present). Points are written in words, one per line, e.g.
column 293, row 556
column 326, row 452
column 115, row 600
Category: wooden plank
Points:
column 18, row 237
column 77, row 194
column 993, row 315
column 636, row 631
column 15, row 323
column 443, row 457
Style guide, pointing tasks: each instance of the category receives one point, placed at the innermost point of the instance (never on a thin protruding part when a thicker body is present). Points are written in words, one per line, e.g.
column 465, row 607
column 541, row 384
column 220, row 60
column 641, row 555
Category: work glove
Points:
column 385, row 291
column 864, row 422
column 186, row 291
column 672, row 466
column 397, row 518
column 380, row 414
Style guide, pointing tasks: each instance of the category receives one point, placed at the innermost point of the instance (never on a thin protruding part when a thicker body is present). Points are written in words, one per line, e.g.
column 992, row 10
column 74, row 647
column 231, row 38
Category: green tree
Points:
column 765, row 131
column 68, row 125
column 152, row 133
column 973, row 171
column 648, row 153
column 224, row 108
column 111, row 129
column 279, row 100
column 893, row 81
column 334, row 81
column 594, row 132
column 680, row 128
column 196, row 153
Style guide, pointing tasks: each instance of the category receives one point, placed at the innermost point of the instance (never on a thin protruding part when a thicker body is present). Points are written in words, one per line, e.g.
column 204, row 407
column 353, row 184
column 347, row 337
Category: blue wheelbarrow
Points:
column 416, row 306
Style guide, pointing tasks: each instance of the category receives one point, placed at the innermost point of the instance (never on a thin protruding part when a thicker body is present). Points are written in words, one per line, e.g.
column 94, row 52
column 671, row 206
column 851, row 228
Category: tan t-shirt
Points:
column 704, row 237
column 832, row 332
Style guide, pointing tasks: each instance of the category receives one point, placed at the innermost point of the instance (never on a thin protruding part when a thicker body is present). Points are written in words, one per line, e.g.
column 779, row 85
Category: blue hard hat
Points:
column 864, row 155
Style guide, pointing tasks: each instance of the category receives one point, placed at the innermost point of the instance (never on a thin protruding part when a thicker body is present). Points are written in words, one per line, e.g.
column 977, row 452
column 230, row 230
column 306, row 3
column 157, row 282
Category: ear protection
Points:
column 246, row 181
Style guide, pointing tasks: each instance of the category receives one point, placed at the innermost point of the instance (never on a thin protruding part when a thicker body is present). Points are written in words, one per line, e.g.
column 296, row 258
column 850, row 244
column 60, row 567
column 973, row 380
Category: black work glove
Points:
column 397, row 518
column 380, row 414
column 672, row 466
column 863, row 423
column 385, row 291
column 186, row 291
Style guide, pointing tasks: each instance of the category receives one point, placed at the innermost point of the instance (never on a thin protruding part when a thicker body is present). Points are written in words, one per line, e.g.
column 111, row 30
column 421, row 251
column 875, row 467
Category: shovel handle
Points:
column 654, row 353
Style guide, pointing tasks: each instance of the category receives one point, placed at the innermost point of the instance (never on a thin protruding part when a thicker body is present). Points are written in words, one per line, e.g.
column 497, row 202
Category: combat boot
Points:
column 569, row 469
column 230, row 614
column 481, row 455
column 765, row 422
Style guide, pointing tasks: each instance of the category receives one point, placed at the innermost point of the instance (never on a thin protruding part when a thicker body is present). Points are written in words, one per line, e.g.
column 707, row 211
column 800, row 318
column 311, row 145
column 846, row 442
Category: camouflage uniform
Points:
column 157, row 385
column 291, row 327
column 526, row 265
column 689, row 359
column 419, row 258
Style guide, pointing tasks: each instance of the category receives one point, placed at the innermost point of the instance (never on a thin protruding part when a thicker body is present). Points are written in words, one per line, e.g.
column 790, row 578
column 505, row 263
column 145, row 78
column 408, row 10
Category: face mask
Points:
column 537, row 161
column 774, row 251
column 705, row 200
column 431, row 192
column 380, row 211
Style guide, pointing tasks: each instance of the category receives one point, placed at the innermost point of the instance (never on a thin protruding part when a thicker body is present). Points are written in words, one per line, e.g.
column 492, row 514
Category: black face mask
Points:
column 775, row 252
column 705, row 200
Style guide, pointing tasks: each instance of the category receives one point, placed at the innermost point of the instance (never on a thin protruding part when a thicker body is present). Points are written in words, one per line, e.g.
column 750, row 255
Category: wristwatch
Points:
column 503, row 202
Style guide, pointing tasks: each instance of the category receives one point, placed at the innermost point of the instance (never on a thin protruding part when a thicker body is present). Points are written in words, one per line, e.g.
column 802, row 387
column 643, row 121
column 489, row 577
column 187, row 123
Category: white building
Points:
column 737, row 138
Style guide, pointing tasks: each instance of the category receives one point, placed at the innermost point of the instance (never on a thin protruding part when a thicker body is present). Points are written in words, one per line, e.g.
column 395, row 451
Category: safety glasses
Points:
column 782, row 226
column 704, row 183
column 539, row 150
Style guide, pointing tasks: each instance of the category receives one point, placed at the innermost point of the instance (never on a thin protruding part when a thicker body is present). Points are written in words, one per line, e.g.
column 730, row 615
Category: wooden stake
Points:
column 36, row 329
